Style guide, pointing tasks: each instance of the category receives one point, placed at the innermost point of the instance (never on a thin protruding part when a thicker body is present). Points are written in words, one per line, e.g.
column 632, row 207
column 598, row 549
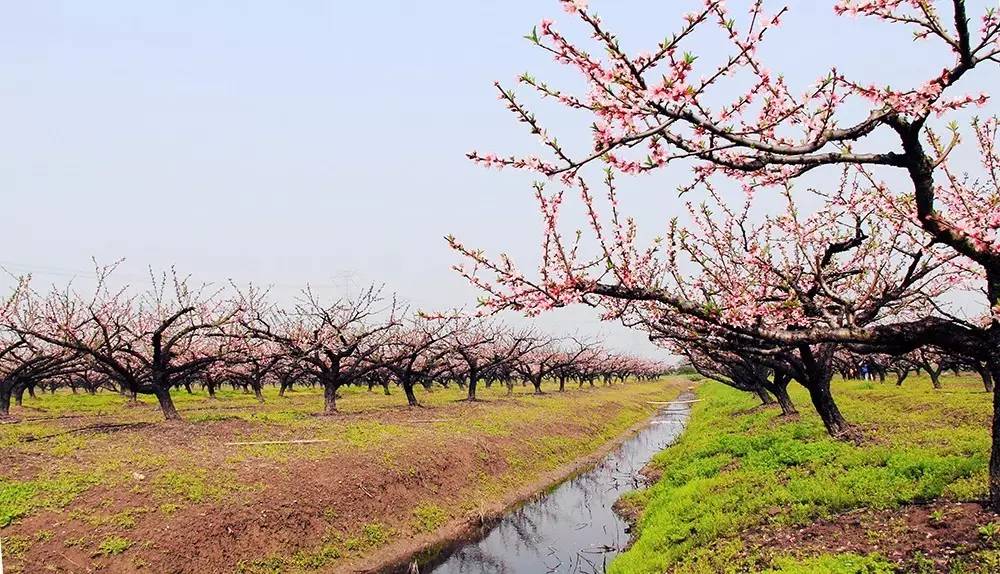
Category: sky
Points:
column 321, row 142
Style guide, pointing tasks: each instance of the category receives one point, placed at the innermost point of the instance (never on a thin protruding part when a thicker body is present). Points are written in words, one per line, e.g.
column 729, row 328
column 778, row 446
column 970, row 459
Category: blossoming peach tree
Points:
column 902, row 228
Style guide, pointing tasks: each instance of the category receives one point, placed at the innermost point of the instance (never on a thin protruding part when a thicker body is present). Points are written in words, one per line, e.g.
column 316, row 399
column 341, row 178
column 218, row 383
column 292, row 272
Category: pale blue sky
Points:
column 294, row 142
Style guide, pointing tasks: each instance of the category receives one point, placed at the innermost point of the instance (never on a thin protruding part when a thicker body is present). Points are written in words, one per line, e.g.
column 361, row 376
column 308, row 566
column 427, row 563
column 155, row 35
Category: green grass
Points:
column 20, row 498
column 193, row 485
column 428, row 516
column 114, row 545
column 734, row 470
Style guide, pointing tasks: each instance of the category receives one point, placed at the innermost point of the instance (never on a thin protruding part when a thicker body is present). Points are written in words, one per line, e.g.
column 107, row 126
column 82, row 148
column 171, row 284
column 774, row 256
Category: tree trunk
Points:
column 935, row 375
column 473, row 382
column 785, row 401
column 994, row 368
column 5, row 402
column 562, row 383
column 827, row 408
column 329, row 397
column 167, row 404
column 779, row 388
column 764, row 396
column 411, row 398
column 901, row 376
column 993, row 364
column 537, row 383
column 819, row 374
column 984, row 373
column 19, row 395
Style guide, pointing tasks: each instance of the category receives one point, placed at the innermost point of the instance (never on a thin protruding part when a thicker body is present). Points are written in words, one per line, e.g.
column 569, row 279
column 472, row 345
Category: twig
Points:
column 105, row 426
column 304, row 441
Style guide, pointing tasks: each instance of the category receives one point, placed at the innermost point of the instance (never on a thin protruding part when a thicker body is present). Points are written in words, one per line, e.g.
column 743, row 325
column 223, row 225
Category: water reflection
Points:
column 573, row 529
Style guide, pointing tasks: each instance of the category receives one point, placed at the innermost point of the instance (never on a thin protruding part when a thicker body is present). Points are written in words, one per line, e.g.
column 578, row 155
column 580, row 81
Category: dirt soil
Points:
column 917, row 538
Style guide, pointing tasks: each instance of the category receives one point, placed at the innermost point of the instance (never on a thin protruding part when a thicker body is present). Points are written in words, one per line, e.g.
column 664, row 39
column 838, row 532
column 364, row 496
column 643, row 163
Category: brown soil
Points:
column 942, row 533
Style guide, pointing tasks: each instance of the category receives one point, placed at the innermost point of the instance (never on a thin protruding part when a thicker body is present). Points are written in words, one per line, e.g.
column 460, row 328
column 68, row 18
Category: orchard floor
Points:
column 745, row 490
column 91, row 484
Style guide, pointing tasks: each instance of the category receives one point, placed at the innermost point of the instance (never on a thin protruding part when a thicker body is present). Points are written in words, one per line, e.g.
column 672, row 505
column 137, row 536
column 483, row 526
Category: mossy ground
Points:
column 738, row 470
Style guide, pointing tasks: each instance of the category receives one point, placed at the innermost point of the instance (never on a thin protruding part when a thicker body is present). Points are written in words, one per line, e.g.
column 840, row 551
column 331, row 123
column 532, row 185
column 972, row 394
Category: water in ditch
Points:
column 572, row 529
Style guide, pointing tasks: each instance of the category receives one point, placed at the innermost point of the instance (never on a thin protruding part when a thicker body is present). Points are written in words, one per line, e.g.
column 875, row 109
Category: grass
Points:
column 114, row 545
column 735, row 470
column 21, row 498
column 428, row 517
column 192, row 485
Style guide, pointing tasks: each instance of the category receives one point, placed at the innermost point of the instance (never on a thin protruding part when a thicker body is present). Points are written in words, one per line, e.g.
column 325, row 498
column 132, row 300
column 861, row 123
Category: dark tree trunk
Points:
column 258, row 393
column 901, row 376
column 779, row 388
column 993, row 364
column 827, row 408
column 385, row 388
column 818, row 376
column 411, row 399
column 167, row 404
column 5, row 402
column 785, row 401
column 537, row 383
column 994, row 368
column 764, row 396
column 330, row 397
column 984, row 373
column 935, row 375
column 562, row 383
column 473, row 382
column 31, row 391
column 19, row 395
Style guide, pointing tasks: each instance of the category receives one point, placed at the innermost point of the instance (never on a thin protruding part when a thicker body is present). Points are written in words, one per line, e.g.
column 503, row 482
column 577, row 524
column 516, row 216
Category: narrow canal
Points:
column 572, row 529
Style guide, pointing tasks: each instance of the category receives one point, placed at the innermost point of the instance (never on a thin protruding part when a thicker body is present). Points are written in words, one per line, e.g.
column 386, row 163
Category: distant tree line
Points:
column 177, row 336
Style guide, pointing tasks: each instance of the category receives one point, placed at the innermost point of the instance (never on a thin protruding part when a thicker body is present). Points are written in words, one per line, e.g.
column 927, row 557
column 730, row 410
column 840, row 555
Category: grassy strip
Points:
column 737, row 469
